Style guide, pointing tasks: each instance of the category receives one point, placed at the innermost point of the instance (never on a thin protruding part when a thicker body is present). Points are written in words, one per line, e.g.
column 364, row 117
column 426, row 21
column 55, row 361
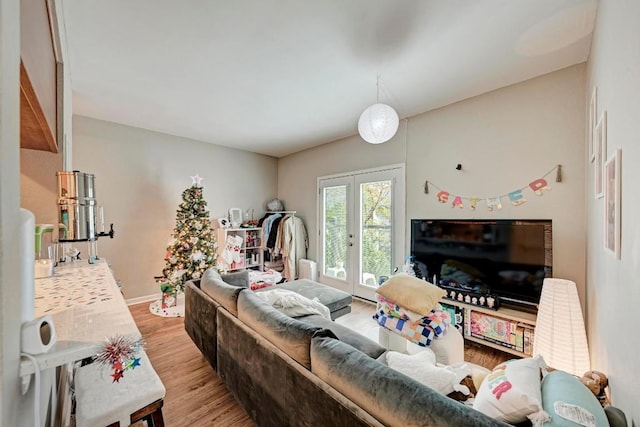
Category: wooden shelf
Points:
column 253, row 235
column 524, row 320
column 506, row 313
column 35, row 132
column 38, row 78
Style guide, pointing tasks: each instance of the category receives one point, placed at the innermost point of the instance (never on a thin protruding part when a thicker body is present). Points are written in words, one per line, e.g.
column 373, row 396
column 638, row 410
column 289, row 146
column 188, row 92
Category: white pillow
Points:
column 511, row 392
column 422, row 367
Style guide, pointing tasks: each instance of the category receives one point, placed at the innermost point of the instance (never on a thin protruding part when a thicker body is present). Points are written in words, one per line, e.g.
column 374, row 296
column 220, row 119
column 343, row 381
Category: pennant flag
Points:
column 516, row 197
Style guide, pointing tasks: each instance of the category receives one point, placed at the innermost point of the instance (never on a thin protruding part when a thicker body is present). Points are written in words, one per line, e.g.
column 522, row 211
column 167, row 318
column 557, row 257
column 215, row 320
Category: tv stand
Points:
column 506, row 329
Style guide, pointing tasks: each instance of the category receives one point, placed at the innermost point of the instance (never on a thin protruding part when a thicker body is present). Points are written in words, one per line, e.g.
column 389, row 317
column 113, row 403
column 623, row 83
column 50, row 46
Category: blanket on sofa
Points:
column 293, row 304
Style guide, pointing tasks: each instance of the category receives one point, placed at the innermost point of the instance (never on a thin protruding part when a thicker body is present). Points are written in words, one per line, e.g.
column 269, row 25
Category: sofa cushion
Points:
column 561, row 387
column 239, row 278
column 388, row 395
column 349, row 336
column 334, row 299
column 511, row 392
column 289, row 335
column 411, row 293
column 224, row 294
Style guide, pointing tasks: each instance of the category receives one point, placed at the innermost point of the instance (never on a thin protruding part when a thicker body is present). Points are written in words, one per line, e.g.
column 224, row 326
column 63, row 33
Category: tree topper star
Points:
column 197, row 180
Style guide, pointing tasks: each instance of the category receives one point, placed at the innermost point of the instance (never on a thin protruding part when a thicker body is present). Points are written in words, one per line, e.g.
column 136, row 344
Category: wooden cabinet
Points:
column 38, row 78
column 241, row 252
column 505, row 329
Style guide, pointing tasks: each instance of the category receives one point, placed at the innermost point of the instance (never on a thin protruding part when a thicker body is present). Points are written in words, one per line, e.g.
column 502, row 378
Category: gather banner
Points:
column 515, row 197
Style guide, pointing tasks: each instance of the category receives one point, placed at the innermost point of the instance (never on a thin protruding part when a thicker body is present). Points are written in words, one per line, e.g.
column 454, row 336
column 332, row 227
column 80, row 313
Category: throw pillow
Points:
column 411, row 293
column 560, row 389
column 422, row 367
column 511, row 392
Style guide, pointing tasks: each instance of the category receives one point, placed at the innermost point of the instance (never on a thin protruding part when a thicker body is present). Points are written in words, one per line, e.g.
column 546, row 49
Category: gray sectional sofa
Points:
column 306, row 371
column 310, row 371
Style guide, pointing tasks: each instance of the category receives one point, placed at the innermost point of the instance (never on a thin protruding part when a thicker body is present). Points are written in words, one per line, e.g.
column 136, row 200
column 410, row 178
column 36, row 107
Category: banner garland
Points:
column 515, row 197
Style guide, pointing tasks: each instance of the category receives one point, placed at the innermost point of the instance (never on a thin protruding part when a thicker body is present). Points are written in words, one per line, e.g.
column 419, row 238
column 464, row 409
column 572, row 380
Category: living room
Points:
column 503, row 139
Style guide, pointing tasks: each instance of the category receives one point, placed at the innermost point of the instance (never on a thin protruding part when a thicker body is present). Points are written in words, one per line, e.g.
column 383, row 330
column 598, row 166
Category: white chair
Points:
column 369, row 279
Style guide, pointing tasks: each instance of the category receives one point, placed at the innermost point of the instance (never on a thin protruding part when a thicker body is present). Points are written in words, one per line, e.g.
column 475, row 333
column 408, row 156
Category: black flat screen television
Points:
column 507, row 258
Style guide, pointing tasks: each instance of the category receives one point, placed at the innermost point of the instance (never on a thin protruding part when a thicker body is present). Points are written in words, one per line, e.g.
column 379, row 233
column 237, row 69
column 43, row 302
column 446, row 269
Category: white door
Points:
column 361, row 229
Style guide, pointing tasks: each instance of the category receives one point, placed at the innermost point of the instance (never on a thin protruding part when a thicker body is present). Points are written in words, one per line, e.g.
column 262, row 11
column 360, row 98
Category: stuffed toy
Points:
column 465, row 390
column 596, row 382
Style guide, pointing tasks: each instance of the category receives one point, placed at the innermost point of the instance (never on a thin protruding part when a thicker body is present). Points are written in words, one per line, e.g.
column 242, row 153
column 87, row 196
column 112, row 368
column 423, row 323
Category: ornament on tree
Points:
column 192, row 247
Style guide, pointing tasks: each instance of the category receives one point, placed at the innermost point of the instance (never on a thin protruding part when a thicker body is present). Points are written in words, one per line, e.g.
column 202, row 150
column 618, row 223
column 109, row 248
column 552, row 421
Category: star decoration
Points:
column 117, row 375
column 136, row 362
column 196, row 180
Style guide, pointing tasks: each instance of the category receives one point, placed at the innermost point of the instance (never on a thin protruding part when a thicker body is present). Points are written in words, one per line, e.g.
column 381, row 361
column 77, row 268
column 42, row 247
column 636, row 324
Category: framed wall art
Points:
column 593, row 116
column 601, row 153
column 612, row 203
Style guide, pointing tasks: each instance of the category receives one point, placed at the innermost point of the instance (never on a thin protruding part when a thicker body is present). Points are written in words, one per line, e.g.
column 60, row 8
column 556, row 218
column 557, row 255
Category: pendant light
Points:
column 378, row 123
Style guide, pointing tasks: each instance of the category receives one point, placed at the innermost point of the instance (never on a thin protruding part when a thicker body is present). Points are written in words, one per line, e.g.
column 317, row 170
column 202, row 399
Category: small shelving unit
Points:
column 505, row 329
column 249, row 254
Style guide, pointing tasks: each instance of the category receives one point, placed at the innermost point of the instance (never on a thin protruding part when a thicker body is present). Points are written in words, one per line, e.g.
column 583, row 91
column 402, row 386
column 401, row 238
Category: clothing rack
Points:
column 293, row 214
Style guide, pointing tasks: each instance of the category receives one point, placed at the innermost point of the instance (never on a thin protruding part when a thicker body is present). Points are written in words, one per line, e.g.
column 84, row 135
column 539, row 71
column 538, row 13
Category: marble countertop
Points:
column 86, row 307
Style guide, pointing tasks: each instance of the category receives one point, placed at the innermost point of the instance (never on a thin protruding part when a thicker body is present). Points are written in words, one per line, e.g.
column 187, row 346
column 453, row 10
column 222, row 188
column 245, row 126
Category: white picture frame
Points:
column 601, row 154
column 612, row 195
column 235, row 217
column 593, row 116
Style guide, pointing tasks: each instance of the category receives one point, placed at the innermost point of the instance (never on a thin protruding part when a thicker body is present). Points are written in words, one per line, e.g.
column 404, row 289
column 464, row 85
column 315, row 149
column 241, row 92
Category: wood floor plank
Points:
column 195, row 394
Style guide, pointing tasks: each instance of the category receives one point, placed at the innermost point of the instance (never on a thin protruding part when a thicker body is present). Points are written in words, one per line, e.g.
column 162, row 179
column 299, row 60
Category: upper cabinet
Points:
column 38, row 78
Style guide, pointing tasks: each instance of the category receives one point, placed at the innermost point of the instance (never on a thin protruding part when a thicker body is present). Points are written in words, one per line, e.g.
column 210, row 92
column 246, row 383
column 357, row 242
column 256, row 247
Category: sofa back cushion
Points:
column 391, row 397
column 238, row 278
column 289, row 335
column 224, row 294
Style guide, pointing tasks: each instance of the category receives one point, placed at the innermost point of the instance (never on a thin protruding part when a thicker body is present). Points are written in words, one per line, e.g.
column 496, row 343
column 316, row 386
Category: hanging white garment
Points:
column 294, row 248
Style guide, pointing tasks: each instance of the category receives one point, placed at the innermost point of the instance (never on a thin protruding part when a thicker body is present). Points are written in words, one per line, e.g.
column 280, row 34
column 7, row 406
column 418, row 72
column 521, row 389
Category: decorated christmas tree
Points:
column 192, row 248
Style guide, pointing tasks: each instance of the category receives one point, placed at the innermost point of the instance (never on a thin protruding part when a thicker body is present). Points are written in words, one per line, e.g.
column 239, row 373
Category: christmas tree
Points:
column 192, row 248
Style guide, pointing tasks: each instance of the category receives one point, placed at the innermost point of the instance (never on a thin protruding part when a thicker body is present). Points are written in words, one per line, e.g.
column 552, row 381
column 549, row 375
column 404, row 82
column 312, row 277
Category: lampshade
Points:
column 560, row 336
column 378, row 123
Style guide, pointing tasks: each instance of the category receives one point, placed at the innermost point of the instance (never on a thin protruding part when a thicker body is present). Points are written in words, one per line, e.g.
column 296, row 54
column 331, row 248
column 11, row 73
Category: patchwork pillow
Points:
column 511, row 392
column 563, row 394
column 411, row 293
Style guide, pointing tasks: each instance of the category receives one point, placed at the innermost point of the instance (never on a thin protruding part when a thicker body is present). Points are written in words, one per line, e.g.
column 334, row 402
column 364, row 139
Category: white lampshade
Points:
column 560, row 337
column 378, row 123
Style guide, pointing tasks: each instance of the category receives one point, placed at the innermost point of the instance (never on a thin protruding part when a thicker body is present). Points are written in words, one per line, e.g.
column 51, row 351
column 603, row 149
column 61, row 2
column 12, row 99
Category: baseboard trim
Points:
column 146, row 298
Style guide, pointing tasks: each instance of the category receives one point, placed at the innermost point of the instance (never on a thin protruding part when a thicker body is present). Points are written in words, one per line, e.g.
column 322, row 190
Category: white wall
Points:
column 613, row 292
column 503, row 139
column 9, row 214
column 140, row 176
column 38, row 184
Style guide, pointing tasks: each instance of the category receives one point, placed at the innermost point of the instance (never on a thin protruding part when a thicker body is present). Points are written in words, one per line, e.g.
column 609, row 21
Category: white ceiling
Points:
column 279, row 76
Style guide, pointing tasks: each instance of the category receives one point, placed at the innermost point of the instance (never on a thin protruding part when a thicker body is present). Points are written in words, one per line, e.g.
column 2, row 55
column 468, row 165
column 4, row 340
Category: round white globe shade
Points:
column 378, row 124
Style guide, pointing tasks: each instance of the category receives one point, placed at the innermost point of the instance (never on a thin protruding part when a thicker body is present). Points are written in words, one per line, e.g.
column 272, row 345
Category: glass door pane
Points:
column 335, row 231
column 361, row 229
column 336, row 213
column 376, row 232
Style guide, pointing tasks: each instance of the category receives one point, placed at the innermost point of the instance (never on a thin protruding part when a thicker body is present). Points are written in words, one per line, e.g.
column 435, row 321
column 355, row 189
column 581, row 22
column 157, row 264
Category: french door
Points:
column 361, row 229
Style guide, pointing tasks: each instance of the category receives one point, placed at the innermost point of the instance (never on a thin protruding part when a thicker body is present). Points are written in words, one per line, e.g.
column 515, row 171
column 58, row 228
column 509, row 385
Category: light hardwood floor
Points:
column 196, row 396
